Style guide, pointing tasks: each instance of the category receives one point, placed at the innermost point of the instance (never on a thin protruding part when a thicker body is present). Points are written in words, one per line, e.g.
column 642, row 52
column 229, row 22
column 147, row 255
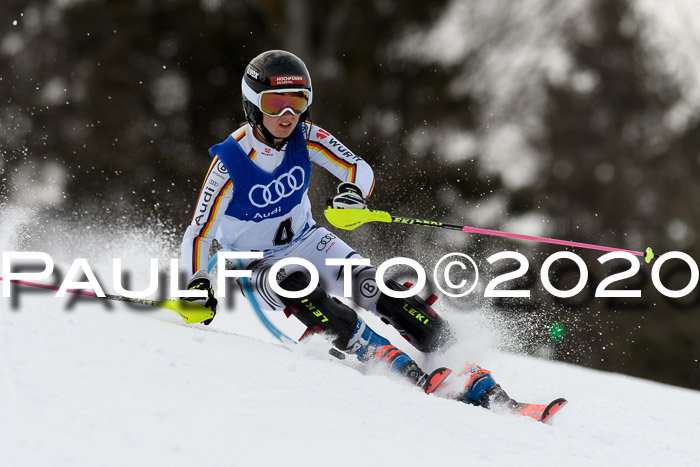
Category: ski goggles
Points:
column 274, row 103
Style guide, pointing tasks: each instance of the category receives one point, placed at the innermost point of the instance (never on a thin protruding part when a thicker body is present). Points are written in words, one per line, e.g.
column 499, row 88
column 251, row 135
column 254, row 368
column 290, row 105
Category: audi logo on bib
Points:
column 282, row 187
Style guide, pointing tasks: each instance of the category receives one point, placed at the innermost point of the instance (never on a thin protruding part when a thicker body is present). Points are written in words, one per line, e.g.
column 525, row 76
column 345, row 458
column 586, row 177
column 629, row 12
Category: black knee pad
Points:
column 414, row 319
column 318, row 311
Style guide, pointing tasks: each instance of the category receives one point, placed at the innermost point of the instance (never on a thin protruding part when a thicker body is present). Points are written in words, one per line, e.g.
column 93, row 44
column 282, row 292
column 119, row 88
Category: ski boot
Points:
column 369, row 346
column 481, row 389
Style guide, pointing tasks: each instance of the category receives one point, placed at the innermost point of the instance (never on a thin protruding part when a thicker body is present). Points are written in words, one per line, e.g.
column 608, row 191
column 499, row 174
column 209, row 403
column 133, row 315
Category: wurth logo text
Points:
column 342, row 150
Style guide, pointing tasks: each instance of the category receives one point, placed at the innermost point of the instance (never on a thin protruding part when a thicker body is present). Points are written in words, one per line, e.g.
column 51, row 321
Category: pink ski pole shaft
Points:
column 648, row 255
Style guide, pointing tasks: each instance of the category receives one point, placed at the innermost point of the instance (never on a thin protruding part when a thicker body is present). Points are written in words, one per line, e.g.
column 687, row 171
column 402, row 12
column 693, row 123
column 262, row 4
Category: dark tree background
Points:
column 460, row 107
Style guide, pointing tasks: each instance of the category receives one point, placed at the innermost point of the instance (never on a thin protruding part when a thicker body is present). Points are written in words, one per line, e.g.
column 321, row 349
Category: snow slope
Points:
column 86, row 382
column 88, row 386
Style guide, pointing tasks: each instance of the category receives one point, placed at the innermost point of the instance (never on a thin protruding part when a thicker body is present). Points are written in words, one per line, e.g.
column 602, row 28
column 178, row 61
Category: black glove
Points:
column 202, row 281
column 349, row 197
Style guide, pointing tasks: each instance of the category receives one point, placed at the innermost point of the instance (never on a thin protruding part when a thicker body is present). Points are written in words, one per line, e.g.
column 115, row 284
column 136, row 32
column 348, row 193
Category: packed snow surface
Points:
column 92, row 383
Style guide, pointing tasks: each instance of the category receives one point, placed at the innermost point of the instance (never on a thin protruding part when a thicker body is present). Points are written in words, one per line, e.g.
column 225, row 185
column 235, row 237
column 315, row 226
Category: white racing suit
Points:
column 255, row 198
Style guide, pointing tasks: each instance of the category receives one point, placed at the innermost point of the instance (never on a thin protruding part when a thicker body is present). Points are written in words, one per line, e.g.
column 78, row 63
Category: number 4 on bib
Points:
column 284, row 233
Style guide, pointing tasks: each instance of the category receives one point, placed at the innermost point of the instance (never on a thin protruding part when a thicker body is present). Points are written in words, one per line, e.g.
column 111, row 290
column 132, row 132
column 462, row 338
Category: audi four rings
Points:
column 285, row 185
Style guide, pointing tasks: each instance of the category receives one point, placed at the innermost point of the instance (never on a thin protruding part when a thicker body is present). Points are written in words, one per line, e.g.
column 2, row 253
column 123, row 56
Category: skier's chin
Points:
column 284, row 130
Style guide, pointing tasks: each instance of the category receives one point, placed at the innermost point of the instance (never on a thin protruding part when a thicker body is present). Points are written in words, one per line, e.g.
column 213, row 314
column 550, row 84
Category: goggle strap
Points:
column 250, row 94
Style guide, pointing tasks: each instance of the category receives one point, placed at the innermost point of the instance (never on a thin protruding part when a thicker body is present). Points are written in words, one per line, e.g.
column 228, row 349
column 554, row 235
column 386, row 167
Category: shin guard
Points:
column 318, row 311
column 414, row 319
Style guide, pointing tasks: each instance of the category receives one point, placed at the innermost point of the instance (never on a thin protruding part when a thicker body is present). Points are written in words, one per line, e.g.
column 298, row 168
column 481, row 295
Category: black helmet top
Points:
column 274, row 70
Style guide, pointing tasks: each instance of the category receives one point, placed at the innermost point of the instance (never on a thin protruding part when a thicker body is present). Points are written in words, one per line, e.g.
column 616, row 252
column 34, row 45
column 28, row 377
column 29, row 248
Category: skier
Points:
column 254, row 198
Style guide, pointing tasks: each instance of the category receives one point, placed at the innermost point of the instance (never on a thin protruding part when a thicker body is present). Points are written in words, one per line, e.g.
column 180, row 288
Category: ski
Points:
column 540, row 412
column 435, row 380
column 495, row 398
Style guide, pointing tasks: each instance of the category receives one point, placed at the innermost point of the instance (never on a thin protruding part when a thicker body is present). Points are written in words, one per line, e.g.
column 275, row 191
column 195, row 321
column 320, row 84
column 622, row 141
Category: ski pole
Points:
column 189, row 311
column 349, row 219
column 247, row 289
